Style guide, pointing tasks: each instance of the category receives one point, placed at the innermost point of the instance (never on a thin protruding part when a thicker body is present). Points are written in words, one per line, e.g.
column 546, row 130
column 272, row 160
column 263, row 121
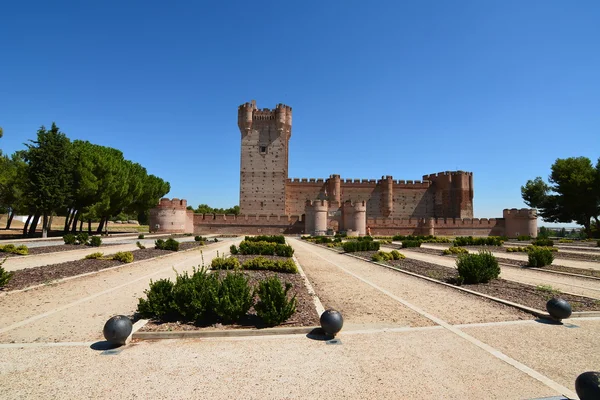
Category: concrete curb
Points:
column 68, row 278
column 226, row 333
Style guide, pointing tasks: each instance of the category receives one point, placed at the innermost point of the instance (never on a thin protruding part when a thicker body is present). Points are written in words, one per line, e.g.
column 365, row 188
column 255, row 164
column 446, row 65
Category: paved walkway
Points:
column 565, row 283
column 416, row 346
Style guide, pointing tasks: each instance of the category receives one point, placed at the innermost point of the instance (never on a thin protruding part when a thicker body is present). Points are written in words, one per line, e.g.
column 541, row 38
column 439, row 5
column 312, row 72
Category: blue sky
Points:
column 499, row 88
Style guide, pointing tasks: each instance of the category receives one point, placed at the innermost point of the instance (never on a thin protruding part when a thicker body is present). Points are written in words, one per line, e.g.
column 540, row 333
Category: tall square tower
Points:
column 264, row 159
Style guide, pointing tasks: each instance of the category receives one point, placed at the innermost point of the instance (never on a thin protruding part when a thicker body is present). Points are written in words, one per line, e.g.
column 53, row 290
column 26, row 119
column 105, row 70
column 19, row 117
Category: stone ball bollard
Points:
column 332, row 322
column 117, row 329
column 587, row 385
column 558, row 308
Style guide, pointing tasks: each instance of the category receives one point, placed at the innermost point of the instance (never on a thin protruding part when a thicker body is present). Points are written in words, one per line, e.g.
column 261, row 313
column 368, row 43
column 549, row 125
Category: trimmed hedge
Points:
column 170, row 244
column 265, row 249
column 411, row 243
column 123, row 256
column 225, row 263
column 477, row 268
column 422, row 238
column 262, row 263
column 381, row 256
column 363, row 245
column 21, row 250
column 266, row 238
column 543, row 242
column 455, row 250
column 478, row 241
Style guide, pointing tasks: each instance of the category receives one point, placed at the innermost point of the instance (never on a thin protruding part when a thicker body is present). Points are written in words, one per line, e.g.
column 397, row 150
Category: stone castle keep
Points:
column 272, row 203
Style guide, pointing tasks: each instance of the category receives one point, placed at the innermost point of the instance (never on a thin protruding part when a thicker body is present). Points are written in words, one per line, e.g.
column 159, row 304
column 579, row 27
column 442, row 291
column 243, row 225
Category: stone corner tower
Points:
column 264, row 159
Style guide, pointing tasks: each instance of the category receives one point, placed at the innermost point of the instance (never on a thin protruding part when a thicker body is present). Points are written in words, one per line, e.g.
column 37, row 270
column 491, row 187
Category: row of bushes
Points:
column 411, row 243
column 523, row 238
column 82, row 238
column 266, row 238
column 478, row 241
column 543, row 242
column 169, row 244
column 422, row 238
column 262, row 248
column 566, row 241
column 360, row 245
column 122, row 256
column 455, row 250
column 529, row 248
column 204, row 298
column 21, row 250
column 381, row 256
column 258, row 263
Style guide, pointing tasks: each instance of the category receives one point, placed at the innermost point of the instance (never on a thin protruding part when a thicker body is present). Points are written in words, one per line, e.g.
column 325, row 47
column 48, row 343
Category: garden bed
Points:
column 559, row 268
column 530, row 296
column 55, row 249
column 28, row 277
column 305, row 315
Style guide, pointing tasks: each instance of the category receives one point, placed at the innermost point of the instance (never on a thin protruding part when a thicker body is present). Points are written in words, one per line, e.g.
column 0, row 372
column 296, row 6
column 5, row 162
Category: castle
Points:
column 272, row 203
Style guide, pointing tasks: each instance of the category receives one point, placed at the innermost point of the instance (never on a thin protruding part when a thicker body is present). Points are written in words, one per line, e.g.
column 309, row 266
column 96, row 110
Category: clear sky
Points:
column 499, row 88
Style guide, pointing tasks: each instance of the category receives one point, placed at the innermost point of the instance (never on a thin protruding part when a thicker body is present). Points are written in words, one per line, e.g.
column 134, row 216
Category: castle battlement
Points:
column 446, row 174
column 175, row 203
column 528, row 213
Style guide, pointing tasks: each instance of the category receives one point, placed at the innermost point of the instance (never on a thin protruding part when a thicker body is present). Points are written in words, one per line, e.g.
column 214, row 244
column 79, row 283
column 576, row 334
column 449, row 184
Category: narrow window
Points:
column 263, row 149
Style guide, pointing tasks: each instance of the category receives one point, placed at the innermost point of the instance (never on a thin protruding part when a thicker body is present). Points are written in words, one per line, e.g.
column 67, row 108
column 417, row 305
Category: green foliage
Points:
column 5, row 276
column 572, row 194
column 523, row 238
column 233, row 298
column 396, row 255
column 170, row 244
column 94, row 256
column 266, row 238
column 139, row 245
column 193, row 296
column 363, row 245
column 422, row 238
column 233, row 250
column 159, row 302
column 364, row 238
column 225, row 263
column 455, row 250
column 21, row 250
column 382, row 256
column 95, row 241
column 565, row 241
column 206, row 209
column 478, row 241
column 199, row 239
column 82, row 238
column 529, row 248
column 70, row 238
column 411, row 243
column 273, row 305
column 265, row 249
column 123, row 256
column 141, row 236
column 543, row 242
column 540, row 258
column 478, row 268
column 262, row 263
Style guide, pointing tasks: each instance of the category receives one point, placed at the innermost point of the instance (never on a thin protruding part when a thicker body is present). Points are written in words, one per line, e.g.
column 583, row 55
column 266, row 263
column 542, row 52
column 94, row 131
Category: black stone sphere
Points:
column 558, row 308
column 117, row 329
column 332, row 322
column 587, row 385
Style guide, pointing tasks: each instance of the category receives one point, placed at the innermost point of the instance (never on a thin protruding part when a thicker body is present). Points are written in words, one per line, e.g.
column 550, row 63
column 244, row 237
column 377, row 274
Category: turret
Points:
column 334, row 189
column 354, row 217
column 520, row 222
column 245, row 112
column 316, row 217
column 387, row 195
column 171, row 216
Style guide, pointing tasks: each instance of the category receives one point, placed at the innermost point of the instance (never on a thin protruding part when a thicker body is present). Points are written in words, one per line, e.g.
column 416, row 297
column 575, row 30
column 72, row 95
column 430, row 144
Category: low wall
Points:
column 247, row 224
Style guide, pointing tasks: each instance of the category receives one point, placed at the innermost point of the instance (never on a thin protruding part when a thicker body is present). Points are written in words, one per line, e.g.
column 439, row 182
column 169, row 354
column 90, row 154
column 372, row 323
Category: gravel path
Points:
column 361, row 301
column 76, row 310
column 565, row 283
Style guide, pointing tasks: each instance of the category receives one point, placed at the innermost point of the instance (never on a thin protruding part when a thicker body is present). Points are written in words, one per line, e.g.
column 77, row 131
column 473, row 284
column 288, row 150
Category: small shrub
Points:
column 523, row 238
column 95, row 241
column 69, row 238
column 233, row 250
column 141, row 236
column 199, row 239
column 94, row 256
column 82, row 238
column 172, row 245
column 543, row 242
column 225, row 263
column 139, row 245
column 193, row 295
column 539, row 257
column 21, row 250
column 478, row 268
column 273, row 305
column 381, row 256
column 262, row 263
column 396, row 255
column 159, row 244
column 233, row 298
column 455, row 250
column 215, row 240
column 159, row 302
column 411, row 243
column 5, row 276
column 377, row 257
column 123, row 256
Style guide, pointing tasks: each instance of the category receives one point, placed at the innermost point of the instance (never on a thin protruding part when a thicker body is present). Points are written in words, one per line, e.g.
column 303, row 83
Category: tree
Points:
column 13, row 178
column 49, row 173
column 572, row 195
column 206, row 209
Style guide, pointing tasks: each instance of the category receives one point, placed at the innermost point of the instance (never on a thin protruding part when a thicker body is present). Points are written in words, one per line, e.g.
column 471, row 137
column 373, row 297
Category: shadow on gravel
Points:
column 104, row 345
column 319, row 334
